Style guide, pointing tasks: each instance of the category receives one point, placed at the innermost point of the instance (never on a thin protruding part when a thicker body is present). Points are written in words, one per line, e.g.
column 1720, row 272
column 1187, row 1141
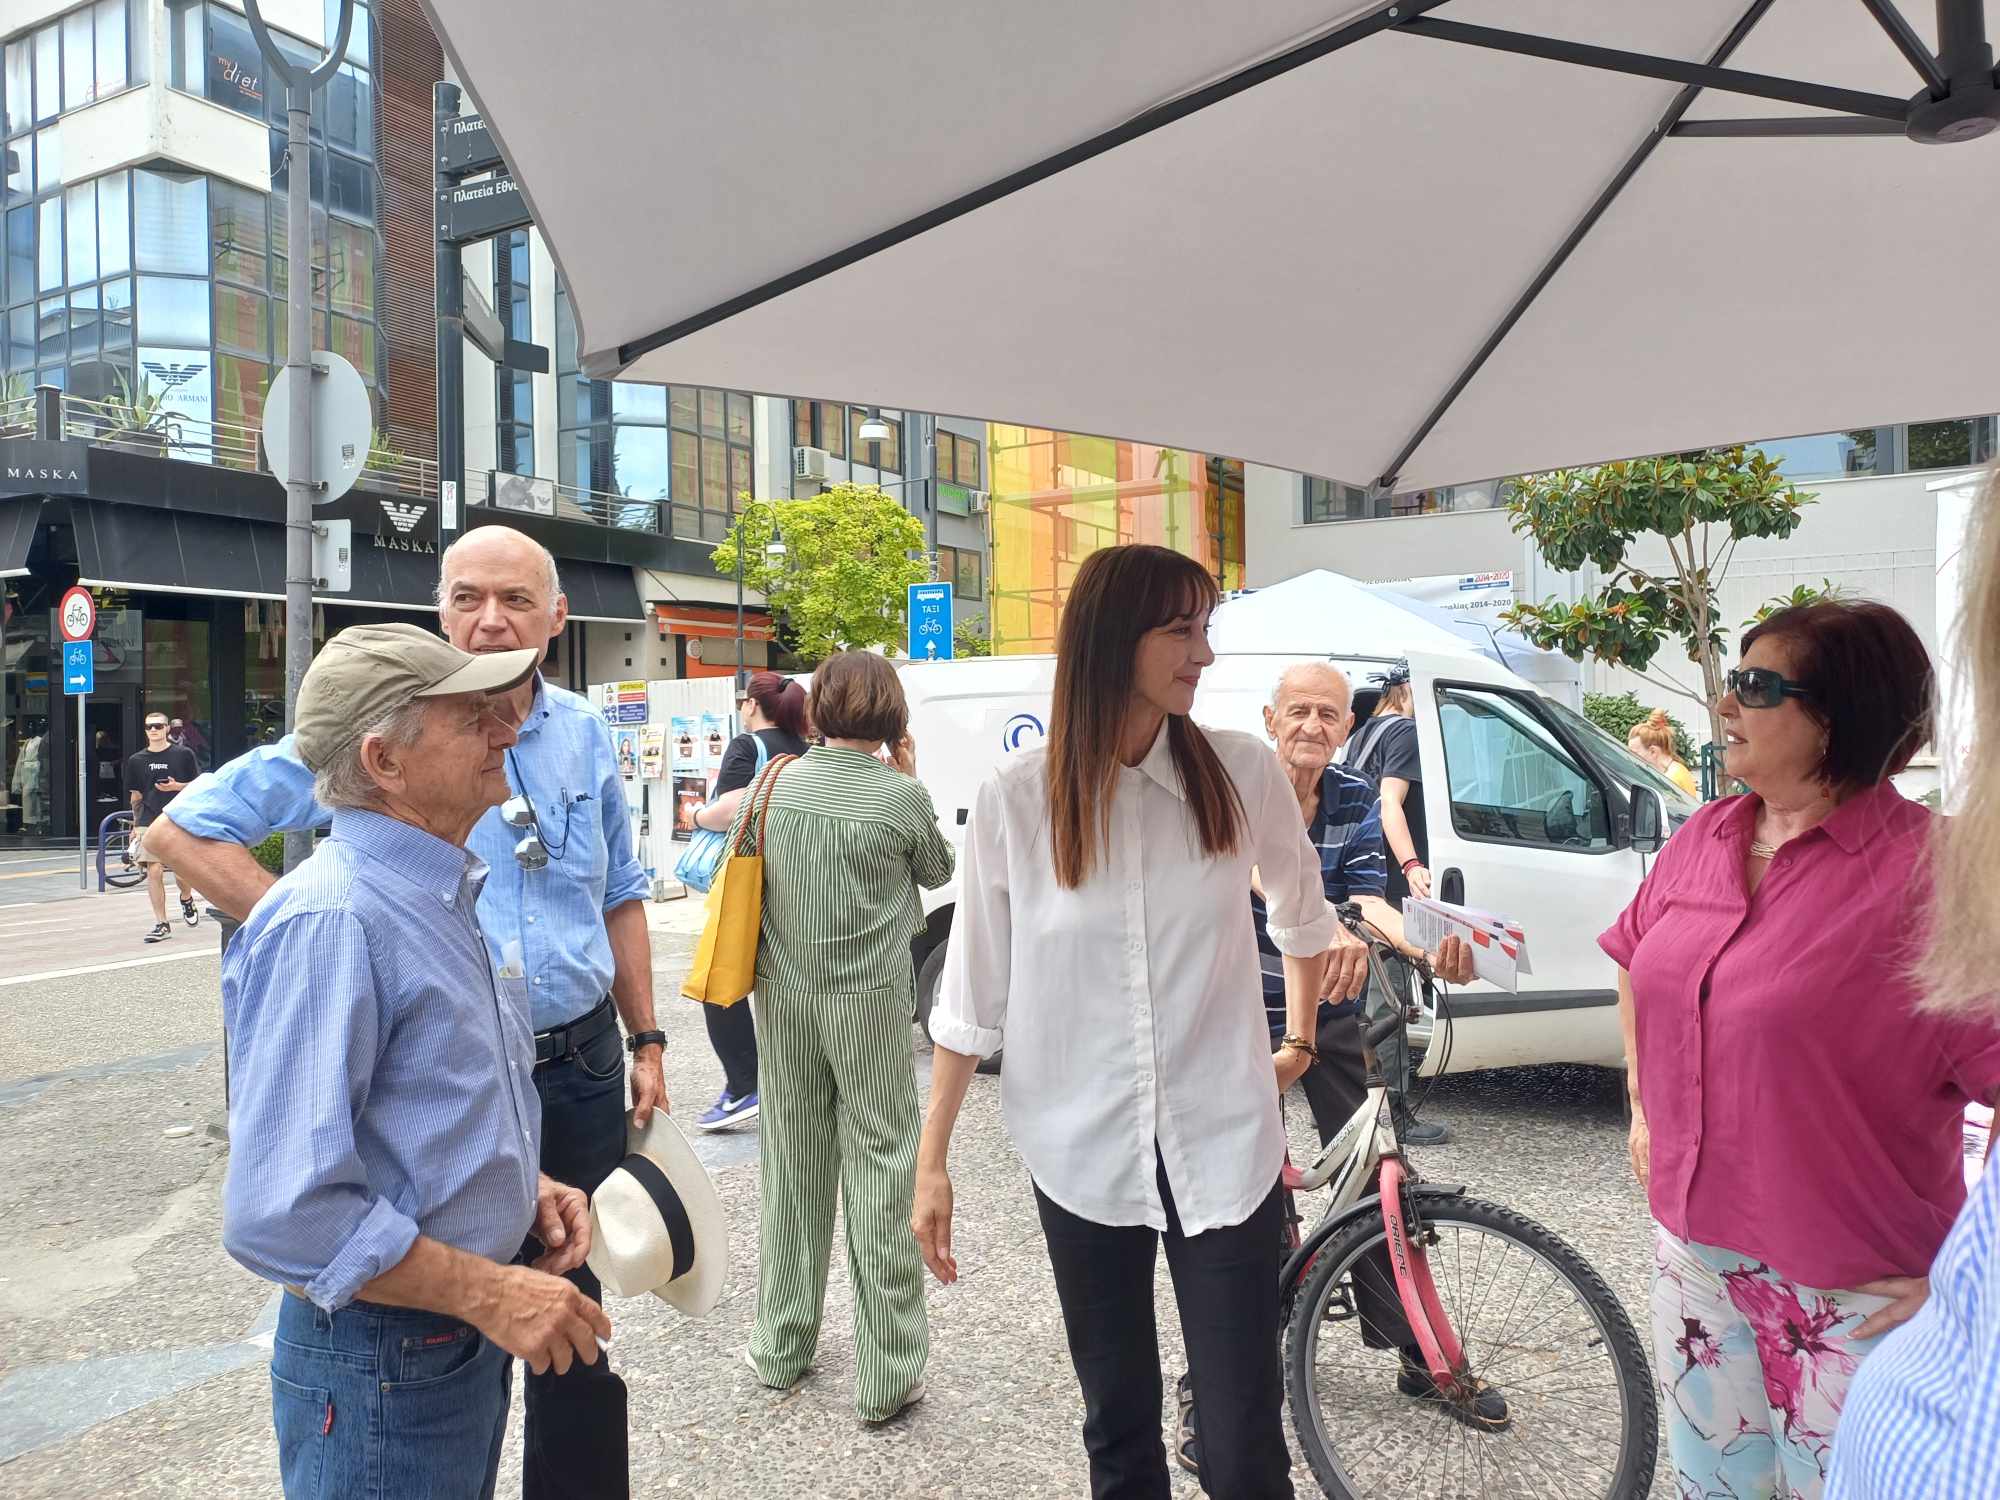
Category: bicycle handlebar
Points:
column 1383, row 1029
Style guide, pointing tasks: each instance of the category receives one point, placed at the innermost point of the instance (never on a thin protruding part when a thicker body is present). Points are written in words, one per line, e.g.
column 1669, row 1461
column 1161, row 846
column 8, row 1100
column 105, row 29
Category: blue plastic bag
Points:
column 707, row 848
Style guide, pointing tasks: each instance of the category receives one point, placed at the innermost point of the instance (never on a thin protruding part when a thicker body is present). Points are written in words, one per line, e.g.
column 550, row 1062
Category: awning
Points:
column 603, row 592
column 19, row 516
column 1401, row 242
column 182, row 552
column 712, row 621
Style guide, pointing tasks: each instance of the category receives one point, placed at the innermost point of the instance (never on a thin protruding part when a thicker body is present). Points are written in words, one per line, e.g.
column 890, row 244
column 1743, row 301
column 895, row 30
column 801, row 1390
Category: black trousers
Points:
column 1334, row 1087
column 574, row 1439
column 1226, row 1285
column 733, row 1035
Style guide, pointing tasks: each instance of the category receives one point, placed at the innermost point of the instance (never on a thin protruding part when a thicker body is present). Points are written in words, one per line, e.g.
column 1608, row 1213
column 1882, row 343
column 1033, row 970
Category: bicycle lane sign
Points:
column 930, row 622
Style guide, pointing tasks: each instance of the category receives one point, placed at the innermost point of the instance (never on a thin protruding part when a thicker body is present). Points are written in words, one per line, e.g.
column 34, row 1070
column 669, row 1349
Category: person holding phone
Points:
column 153, row 778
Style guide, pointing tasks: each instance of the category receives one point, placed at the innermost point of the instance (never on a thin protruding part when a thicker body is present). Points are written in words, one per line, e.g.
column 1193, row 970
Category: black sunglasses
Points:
column 156, row 724
column 1761, row 687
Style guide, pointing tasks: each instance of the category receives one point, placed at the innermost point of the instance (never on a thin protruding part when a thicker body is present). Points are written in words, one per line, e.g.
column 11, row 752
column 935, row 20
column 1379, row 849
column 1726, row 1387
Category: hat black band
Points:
column 680, row 1232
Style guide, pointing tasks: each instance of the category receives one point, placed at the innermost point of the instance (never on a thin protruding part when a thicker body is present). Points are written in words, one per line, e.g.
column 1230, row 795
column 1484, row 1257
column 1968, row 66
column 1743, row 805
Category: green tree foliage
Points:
column 1700, row 506
column 842, row 581
column 1617, row 713
column 971, row 638
column 1798, row 598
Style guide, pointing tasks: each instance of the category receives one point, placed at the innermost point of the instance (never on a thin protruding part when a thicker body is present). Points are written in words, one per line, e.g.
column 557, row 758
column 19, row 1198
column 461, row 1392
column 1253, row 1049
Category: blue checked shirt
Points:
column 1348, row 834
column 382, row 1075
column 556, row 915
column 1922, row 1419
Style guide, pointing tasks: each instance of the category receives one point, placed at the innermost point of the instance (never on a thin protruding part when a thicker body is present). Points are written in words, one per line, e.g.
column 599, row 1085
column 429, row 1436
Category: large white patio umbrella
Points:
column 1396, row 243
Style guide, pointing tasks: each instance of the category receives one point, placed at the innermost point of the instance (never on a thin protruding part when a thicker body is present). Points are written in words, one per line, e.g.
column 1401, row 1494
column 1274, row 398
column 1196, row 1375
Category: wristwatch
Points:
column 640, row 1039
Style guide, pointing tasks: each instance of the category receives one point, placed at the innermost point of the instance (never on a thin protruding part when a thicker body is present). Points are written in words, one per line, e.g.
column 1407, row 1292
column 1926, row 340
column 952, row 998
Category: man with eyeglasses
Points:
column 153, row 778
column 562, row 911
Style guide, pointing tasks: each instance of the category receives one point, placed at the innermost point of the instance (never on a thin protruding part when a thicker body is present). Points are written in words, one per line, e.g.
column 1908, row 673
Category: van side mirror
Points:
column 1649, row 819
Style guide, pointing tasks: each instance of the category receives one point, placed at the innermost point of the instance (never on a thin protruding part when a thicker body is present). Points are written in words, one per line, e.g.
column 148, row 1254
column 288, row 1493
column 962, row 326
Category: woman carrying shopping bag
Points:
column 846, row 840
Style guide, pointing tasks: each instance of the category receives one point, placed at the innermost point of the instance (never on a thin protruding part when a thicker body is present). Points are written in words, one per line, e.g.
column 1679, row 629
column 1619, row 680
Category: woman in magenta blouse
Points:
column 1795, row 1119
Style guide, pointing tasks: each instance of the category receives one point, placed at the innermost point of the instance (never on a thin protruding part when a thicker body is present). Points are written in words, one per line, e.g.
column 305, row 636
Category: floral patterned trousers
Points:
column 1753, row 1370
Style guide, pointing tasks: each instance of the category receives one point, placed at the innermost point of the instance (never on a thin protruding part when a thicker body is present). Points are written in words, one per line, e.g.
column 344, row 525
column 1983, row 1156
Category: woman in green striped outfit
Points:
column 847, row 841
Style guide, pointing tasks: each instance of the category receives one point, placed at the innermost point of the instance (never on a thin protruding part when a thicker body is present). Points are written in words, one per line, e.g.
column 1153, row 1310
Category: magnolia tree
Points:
column 1699, row 506
column 842, row 580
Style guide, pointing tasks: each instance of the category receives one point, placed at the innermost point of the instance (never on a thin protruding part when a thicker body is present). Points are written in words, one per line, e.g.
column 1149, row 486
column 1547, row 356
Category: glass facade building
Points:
column 1058, row 496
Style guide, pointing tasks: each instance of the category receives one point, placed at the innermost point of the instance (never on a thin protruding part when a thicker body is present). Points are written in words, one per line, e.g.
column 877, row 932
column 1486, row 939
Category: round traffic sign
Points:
column 77, row 614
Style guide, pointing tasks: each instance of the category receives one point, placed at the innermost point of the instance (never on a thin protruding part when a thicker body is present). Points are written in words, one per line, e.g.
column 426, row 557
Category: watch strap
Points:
column 640, row 1039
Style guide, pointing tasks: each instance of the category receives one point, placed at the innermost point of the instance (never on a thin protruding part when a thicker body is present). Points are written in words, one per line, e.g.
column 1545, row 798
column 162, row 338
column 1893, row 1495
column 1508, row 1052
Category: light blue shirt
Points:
column 555, row 914
column 1922, row 1419
column 381, row 1074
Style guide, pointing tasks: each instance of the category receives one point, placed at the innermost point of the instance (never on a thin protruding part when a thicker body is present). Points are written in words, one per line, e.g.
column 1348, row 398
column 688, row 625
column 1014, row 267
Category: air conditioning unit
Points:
column 977, row 502
column 809, row 463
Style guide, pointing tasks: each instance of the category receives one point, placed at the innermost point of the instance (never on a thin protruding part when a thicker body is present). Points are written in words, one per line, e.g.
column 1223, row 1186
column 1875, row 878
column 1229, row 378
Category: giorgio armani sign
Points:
column 41, row 468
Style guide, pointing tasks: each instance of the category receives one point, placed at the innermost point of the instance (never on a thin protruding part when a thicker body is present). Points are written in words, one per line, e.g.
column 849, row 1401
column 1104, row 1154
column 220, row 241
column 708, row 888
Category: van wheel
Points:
column 928, row 977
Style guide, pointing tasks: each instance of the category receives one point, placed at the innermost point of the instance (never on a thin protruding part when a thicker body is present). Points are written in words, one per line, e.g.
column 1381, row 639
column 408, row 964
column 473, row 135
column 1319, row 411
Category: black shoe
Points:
column 1414, row 1132
column 188, row 914
column 1187, row 1440
column 160, row 933
column 1485, row 1412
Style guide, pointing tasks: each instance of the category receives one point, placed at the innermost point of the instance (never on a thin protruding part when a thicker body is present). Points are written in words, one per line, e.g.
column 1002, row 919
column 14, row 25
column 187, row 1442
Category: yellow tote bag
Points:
column 725, row 961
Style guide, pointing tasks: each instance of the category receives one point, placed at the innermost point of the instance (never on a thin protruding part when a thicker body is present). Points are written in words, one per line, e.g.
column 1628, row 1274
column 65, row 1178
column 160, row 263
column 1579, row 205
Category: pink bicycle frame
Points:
column 1429, row 1326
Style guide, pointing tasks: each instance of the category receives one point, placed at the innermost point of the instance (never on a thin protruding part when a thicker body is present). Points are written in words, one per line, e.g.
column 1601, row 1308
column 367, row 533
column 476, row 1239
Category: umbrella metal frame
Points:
column 1960, row 101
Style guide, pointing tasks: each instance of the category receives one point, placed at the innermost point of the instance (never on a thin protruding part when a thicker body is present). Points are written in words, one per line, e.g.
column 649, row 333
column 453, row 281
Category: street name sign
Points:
column 465, row 146
column 480, row 210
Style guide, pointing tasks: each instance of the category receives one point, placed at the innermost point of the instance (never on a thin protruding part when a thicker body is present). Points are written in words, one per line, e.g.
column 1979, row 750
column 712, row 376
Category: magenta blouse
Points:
column 1802, row 1110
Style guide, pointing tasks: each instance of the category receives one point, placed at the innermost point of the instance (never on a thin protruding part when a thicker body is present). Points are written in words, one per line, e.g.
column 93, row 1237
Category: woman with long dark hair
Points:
column 1103, row 934
column 773, row 711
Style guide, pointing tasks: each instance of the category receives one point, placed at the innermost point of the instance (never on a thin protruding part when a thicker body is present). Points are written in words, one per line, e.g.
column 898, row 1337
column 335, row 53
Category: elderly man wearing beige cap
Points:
column 384, row 1128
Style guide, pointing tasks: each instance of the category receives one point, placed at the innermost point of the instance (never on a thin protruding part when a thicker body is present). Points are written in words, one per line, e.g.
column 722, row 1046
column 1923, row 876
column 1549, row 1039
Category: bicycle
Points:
column 1581, row 1417
column 115, row 865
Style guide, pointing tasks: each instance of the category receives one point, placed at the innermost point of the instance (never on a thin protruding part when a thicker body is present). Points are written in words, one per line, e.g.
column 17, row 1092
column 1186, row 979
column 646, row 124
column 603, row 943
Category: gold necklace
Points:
column 1761, row 850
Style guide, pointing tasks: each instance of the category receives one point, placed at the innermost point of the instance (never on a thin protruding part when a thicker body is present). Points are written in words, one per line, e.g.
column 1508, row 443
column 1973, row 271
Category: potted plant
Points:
column 135, row 420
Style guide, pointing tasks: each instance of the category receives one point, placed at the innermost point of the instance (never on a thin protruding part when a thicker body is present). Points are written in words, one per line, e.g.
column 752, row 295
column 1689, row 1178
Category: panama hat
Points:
column 656, row 1223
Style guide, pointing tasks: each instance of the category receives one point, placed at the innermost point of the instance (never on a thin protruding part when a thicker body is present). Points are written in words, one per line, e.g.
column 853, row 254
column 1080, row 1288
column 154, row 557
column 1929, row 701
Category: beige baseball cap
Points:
column 368, row 671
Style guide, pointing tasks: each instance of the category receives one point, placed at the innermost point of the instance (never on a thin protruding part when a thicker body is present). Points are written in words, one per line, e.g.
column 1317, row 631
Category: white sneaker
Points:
column 751, row 1360
column 911, row 1397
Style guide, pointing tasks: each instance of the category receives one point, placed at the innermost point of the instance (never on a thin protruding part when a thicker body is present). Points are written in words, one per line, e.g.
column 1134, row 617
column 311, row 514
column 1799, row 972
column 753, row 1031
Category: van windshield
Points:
column 1618, row 763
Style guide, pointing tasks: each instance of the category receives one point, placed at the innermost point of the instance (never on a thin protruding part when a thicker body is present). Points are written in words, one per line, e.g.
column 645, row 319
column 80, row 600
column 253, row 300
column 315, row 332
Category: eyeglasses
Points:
column 532, row 852
column 1761, row 687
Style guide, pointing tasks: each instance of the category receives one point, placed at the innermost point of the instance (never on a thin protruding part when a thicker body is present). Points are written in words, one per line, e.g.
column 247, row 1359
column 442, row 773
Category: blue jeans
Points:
column 574, row 1434
column 378, row 1403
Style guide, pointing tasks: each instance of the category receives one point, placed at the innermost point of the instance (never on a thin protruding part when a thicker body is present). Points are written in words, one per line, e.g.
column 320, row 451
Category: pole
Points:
column 82, row 797
column 300, row 484
column 298, row 359
column 742, row 676
column 451, row 328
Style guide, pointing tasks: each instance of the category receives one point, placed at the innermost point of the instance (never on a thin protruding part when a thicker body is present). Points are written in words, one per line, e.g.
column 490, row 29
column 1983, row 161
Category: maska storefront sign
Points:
column 33, row 467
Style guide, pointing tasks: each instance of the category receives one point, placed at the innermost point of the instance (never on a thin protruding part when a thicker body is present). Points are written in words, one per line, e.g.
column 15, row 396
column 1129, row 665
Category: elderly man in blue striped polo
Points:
column 385, row 1132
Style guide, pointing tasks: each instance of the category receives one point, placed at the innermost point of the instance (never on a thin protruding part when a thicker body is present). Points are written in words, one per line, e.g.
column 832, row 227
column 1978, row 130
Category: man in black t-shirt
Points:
column 153, row 778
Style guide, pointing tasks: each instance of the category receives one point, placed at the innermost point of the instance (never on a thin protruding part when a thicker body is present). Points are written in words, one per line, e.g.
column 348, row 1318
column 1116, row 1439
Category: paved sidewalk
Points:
column 132, row 1350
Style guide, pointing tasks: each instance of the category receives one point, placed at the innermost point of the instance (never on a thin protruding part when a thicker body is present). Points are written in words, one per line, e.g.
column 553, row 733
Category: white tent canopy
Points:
column 1323, row 613
column 1406, row 244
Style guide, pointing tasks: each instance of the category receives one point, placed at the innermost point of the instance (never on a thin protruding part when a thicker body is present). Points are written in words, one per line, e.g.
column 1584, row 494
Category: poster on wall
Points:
column 626, row 743
column 1478, row 597
column 652, row 751
column 714, row 740
column 625, row 703
column 182, row 382
column 686, row 745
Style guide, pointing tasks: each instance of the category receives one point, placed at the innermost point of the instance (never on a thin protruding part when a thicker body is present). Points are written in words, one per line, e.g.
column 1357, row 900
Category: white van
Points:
column 1529, row 807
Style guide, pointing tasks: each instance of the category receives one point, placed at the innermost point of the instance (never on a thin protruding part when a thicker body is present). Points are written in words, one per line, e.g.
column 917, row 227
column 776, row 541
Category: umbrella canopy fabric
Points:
column 1396, row 244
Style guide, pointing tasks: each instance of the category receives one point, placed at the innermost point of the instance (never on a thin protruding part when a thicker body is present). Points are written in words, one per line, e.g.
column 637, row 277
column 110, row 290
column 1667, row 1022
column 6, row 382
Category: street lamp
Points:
column 874, row 430
column 774, row 548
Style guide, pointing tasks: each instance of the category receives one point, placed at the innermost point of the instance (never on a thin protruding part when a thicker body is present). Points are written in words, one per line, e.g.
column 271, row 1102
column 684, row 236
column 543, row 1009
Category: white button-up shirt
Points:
column 1131, row 1007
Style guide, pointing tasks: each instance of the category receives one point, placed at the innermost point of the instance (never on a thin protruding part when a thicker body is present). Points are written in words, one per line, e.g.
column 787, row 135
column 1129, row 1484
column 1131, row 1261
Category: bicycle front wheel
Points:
column 1538, row 1326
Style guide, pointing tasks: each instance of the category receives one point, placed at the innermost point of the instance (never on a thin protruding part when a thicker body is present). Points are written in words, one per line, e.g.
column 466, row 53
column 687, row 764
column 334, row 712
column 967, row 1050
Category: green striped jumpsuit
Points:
column 847, row 843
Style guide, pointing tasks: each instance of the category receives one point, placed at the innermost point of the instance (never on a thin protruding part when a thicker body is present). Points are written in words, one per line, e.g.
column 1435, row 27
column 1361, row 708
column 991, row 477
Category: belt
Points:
column 561, row 1043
